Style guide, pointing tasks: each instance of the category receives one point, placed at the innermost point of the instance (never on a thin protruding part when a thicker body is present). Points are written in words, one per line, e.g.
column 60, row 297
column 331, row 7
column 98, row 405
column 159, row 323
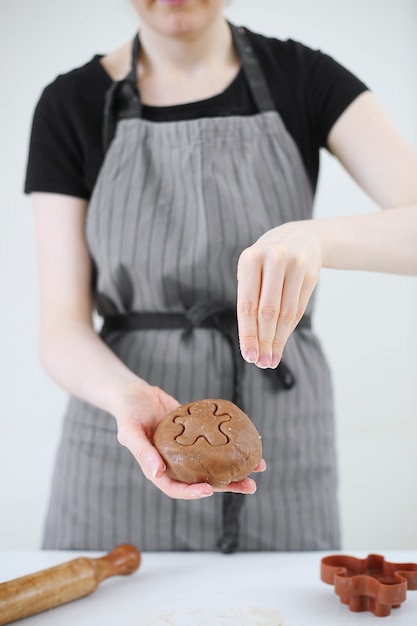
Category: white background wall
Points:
column 367, row 322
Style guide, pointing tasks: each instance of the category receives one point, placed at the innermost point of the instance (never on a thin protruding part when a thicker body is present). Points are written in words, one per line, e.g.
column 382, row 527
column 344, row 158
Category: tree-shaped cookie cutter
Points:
column 370, row 584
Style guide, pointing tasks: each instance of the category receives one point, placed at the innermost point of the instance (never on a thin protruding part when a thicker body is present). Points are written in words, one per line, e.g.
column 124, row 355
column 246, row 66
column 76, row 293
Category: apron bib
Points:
column 174, row 205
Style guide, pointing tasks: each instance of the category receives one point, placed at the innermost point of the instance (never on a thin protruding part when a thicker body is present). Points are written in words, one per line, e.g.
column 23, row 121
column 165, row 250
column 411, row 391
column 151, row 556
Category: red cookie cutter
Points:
column 370, row 584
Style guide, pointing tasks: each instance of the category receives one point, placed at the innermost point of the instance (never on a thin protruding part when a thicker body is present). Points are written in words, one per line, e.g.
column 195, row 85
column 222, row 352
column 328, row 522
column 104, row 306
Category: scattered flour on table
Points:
column 247, row 616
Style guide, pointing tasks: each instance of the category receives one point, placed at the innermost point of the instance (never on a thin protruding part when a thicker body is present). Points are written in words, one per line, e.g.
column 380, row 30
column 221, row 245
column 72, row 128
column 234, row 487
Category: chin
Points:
column 179, row 18
column 182, row 26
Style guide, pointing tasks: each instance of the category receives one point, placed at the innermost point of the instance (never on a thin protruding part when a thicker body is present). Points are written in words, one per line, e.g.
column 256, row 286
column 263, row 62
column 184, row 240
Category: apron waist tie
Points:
column 223, row 318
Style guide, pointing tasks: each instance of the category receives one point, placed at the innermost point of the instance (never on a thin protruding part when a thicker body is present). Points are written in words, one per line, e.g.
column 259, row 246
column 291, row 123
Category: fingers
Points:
column 195, row 491
column 291, row 311
column 182, row 491
column 246, row 486
column 261, row 467
column 274, row 288
column 153, row 466
column 132, row 436
column 248, row 290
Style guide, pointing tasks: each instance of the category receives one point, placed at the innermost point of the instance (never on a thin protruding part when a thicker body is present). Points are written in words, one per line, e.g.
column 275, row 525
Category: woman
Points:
column 209, row 165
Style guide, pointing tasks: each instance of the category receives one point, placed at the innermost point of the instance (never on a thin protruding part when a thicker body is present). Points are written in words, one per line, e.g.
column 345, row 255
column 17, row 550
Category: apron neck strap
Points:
column 253, row 72
column 124, row 94
column 132, row 75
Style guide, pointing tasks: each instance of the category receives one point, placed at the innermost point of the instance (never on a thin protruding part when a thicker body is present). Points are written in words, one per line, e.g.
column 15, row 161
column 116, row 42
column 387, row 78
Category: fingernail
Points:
column 248, row 486
column 253, row 488
column 264, row 360
column 153, row 467
column 274, row 361
column 205, row 494
column 251, row 356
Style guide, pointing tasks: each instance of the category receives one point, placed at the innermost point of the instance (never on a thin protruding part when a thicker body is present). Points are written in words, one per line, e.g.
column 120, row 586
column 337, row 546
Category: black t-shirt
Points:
column 309, row 88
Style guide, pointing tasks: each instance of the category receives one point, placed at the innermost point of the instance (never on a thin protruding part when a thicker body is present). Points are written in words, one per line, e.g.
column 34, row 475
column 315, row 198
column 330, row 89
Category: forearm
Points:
column 385, row 167
column 80, row 362
column 385, row 241
column 279, row 272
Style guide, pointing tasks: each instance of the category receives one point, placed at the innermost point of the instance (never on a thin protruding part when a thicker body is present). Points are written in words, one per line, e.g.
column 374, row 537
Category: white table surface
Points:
column 209, row 589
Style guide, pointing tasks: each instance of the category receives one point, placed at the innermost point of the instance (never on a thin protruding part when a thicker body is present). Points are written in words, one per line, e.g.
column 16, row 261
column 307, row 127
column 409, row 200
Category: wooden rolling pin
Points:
column 57, row 585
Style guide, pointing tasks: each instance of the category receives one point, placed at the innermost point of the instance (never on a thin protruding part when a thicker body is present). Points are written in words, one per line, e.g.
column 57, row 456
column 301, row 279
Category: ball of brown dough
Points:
column 211, row 441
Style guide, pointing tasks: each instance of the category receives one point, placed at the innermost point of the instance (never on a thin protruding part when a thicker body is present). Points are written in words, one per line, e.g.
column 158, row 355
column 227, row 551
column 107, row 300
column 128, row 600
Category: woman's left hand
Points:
column 138, row 411
column 276, row 277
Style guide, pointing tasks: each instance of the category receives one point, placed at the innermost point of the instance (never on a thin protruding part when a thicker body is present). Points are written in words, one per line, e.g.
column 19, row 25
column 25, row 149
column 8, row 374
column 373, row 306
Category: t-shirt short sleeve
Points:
column 309, row 88
column 55, row 152
column 65, row 149
column 331, row 88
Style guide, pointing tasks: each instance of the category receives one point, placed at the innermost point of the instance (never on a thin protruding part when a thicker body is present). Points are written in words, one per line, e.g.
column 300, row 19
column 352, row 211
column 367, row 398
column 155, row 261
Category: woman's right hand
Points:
column 142, row 408
column 79, row 361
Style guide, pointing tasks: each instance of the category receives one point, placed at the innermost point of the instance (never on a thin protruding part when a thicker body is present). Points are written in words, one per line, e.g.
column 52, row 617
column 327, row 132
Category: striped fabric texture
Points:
column 174, row 206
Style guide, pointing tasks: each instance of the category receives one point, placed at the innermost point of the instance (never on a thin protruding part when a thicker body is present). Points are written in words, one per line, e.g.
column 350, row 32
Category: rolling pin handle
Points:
column 121, row 561
column 63, row 583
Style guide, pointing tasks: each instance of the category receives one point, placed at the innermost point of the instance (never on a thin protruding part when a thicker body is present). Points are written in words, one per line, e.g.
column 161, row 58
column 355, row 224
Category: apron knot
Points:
column 200, row 314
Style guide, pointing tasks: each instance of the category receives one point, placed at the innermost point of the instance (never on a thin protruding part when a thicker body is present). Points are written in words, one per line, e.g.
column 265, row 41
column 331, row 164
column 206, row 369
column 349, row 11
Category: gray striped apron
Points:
column 174, row 205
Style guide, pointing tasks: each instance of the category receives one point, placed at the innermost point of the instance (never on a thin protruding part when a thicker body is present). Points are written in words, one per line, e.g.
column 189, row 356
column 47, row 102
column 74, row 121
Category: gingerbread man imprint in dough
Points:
column 200, row 425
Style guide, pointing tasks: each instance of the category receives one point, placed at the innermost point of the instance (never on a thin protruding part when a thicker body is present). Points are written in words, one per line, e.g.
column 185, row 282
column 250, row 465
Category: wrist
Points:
column 320, row 228
column 125, row 393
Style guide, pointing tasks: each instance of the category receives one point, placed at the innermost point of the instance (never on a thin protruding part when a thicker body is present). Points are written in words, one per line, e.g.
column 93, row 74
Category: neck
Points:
column 161, row 52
